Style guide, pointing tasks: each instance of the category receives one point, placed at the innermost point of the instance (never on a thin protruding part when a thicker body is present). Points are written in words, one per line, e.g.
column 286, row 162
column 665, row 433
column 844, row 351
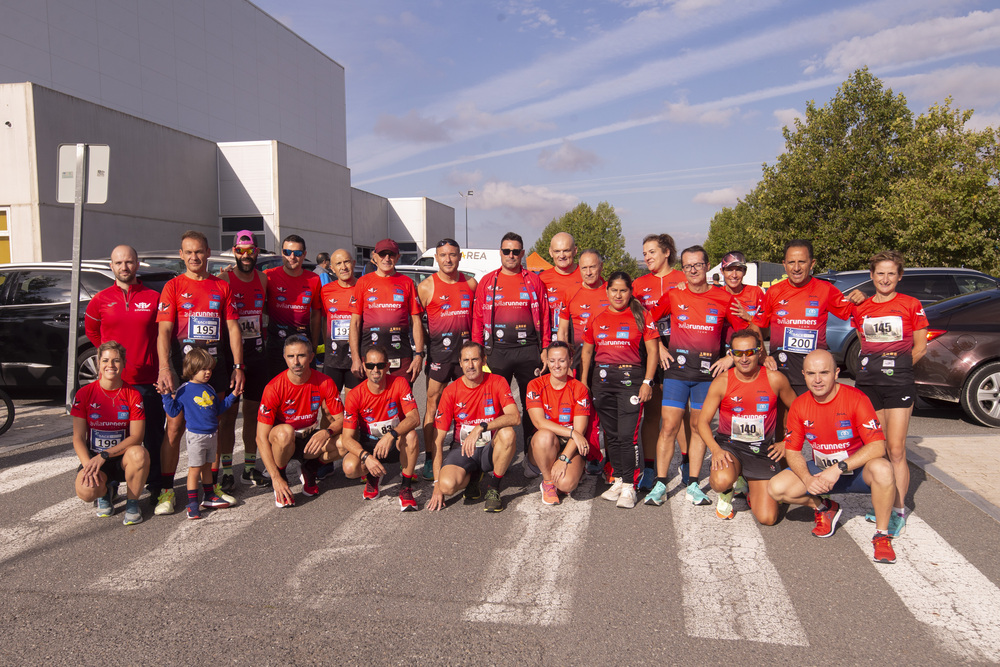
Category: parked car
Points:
column 962, row 364
column 34, row 319
column 171, row 261
column 414, row 272
column 926, row 284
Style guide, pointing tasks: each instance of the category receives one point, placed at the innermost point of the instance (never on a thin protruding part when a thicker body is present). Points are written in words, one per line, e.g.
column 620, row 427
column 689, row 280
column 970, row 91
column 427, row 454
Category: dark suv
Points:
column 34, row 319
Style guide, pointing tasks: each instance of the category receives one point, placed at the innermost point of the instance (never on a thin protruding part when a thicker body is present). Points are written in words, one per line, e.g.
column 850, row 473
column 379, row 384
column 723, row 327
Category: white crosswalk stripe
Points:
column 46, row 526
column 26, row 474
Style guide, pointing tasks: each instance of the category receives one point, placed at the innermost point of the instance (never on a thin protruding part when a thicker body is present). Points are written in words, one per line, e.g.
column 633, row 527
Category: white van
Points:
column 479, row 261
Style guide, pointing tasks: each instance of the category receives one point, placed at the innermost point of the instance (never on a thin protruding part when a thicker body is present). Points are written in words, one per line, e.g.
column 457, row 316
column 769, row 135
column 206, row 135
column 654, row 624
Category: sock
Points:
column 249, row 460
column 407, row 481
column 649, row 463
column 215, row 474
column 901, row 511
column 208, row 489
column 167, row 480
column 823, row 505
column 685, row 460
column 192, row 496
column 493, row 481
column 881, row 532
column 281, row 471
column 371, row 479
column 662, row 480
column 227, row 464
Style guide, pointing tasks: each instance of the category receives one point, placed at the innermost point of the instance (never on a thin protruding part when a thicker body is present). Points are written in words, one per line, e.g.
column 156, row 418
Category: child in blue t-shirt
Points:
column 201, row 408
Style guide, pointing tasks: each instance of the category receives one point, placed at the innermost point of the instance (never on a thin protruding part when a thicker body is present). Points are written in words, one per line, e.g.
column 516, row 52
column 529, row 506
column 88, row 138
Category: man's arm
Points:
column 166, row 380
column 92, row 322
column 437, row 496
column 510, row 417
column 477, row 313
column 236, row 344
column 354, row 340
column 316, row 327
column 419, row 345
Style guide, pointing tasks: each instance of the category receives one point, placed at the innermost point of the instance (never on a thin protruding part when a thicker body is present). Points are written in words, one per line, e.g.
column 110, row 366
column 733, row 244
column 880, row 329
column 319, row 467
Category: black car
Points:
column 34, row 319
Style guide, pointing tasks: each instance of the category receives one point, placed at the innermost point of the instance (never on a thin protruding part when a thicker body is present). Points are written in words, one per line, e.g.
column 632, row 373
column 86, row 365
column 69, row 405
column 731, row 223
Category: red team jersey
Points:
column 248, row 299
column 298, row 405
column 336, row 301
column 834, row 430
column 616, row 338
column 748, row 412
column 198, row 309
column 372, row 415
column 385, row 305
column 107, row 413
column 886, row 334
column 466, row 407
column 449, row 319
column 559, row 405
column 559, row 289
column 291, row 299
column 752, row 298
column 650, row 288
column 129, row 318
column 586, row 304
column 696, row 331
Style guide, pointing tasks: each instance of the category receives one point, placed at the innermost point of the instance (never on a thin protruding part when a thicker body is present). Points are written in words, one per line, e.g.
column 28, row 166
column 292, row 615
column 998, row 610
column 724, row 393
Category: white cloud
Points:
column 568, row 157
column 933, row 39
column 719, row 198
column 970, row 86
column 787, row 117
column 532, row 204
column 981, row 121
column 463, row 179
column 700, row 114
column 694, row 6
column 411, row 127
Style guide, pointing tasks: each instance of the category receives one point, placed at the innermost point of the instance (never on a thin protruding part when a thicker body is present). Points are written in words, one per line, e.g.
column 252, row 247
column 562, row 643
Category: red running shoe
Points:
column 826, row 522
column 406, row 501
column 371, row 487
column 883, row 549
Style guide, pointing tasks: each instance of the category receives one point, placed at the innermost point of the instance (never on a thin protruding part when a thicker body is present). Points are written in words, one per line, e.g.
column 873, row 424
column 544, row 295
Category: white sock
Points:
column 901, row 511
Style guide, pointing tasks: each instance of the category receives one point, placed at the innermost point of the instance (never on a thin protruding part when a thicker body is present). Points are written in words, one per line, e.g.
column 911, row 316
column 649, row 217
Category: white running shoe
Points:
column 614, row 491
column 627, row 499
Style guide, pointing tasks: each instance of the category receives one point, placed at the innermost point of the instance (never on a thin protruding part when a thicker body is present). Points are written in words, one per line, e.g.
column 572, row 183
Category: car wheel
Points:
column 981, row 395
column 852, row 360
column 86, row 367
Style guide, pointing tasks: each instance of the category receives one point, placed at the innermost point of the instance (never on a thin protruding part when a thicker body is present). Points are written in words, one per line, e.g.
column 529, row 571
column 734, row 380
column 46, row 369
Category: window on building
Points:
column 409, row 253
column 363, row 254
column 4, row 237
column 231, row 225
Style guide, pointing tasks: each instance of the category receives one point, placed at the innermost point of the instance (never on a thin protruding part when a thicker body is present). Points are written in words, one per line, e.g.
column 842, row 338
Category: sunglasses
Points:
column 377, row 364
column 244, row 252
column 512, row 251
column 288, row 252
column 746, row 353
column 386, row 253
column 443, row 242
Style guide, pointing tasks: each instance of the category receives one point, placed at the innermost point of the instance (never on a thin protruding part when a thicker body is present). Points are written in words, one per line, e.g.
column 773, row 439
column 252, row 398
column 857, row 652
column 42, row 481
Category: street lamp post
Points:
column 466, row 198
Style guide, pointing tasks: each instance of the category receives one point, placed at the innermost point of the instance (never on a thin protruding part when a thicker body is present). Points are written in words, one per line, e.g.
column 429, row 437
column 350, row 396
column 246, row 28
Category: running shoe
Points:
column 724, row 508
column 740, row 487
column 627, row 498
column 897, row 524
column 278, row 503
column 493, row 502
column 550, row 496
column 308, row 479
column 685, row 469
column 371, row 487
column 530, row 470
column 222, row 494
column 193, row 512
column 406, row 501
column 826, row 521
column 883, row 549
column 253, row 477
column 428, row 472
column 214, row 501
column 133, row 514
column 696, row 495
column 228, row 483
column 106, row 504
column 648, row 479
column 657, row 495
column 165, row 503
column 615, row 491
column 594, row 467
column 474, row 489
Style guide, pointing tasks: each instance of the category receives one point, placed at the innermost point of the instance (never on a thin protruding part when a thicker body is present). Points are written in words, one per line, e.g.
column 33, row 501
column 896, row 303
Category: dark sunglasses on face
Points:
column 287, row 252
column 377, row 364
column 746, row 353
column 386, row 253
column 511, row 251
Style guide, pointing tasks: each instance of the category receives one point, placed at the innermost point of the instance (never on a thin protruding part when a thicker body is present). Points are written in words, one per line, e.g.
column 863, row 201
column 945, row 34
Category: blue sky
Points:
column 664, row 108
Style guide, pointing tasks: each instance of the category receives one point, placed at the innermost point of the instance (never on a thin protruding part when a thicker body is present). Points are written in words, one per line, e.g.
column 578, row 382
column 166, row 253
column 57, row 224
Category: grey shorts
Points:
column 201, row 448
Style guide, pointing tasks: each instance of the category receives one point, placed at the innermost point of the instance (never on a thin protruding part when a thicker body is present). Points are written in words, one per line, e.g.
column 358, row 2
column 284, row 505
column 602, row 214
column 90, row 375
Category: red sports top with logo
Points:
column 752, row 298
column 886, row 334
column 650, row 288
column 129, row 318
column 467, row 406
column 290, row 300
column 107, row 413
column 562, row 405
column 372, row 415
column 510, row 312
column 337, row 307
column 298, row 405
column 749, row 410
column 385, row 304
column 248, row 299
column 586, row 304
column 198, row 309
column 616, row 338
column 834, row 430
column 696, row 332
column 449, row 319
column 797, row 317
column 559, row 289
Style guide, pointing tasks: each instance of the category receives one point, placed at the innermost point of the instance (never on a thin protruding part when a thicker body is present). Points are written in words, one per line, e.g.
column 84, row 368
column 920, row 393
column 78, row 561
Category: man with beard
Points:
column 293, row 305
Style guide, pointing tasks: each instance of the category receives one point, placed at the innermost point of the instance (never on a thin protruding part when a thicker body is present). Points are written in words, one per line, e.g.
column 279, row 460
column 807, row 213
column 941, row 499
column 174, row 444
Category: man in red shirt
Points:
column 386, row 311
column 195, row 310
column 839, row 423
column 482, row 410
column 293, row 301
column 747, row 299
column 126, row 312
column 288, row 423
column 563, row 280
column 588, row 302
column 380, row 422
column 337, row 296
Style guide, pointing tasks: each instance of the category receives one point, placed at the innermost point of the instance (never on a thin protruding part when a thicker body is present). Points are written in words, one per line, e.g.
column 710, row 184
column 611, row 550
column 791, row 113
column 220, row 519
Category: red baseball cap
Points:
column 387, row 244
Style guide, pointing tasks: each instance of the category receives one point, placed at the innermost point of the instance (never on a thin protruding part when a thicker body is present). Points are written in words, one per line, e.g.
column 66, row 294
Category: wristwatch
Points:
column 647, row 381
column 564, row 458
column 237, row 367
column 104, row 454
column 418, row 354
column 843, row 467
column 395, row 433
column 482, row 425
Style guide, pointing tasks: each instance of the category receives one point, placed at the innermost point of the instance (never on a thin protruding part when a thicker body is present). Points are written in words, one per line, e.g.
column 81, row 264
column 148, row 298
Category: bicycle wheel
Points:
column 6, row 412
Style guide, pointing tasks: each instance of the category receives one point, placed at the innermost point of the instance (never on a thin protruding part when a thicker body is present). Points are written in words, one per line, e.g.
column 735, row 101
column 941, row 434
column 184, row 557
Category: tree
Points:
column 730, row 230
column 600, row 229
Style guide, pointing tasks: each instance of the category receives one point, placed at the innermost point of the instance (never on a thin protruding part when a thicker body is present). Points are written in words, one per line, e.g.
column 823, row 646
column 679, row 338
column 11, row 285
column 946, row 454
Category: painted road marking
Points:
column 46, row 526
column 18, row 477
column 521, row 585
column 937, row 584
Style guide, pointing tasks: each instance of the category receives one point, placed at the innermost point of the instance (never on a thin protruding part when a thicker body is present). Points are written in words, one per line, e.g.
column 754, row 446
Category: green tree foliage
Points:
column 599, row 228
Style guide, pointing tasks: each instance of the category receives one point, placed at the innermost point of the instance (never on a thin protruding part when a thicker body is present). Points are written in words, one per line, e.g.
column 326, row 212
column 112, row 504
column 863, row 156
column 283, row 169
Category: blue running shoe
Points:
column 133, row 514
column 105, row 504
column 595, row 467
column 647, row 480
column 324, row 471
column 657, row 495
column 685, row 470
column 428, row 473
column 696, row 495
column 897, row 524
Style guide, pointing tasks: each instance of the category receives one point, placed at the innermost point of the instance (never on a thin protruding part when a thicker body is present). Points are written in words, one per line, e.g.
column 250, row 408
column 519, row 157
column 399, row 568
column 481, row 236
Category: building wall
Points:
column 219, row 69
column 440, row 223
column 369, row 217
column 248, row 185
column 314, row 200
column 18, row 185
column 420, row 220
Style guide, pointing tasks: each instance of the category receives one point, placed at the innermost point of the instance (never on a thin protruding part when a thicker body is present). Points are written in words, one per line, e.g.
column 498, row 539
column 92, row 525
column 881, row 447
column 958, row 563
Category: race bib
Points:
column 826, row 460
column 101, row 440
column 250, row 326
column 483, row 440
column 394, row 364
column 801, row 341
column 888, row 329
column 203, row 328
column 748, row 429
column 377, row 429
column 340, row 328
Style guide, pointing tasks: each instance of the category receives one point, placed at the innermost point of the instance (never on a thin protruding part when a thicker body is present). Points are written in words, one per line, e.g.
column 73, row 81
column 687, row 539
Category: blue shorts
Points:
column 677, row 392
column 854, row 483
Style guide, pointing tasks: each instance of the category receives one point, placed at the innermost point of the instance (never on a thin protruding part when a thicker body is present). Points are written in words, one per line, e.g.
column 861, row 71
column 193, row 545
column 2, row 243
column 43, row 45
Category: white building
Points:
column 218, row 118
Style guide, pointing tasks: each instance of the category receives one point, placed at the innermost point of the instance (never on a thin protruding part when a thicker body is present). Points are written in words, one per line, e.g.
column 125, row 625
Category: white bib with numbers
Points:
column 483, row 440
column 748, row 429
column 801, row 341
column 826, row 460
column 888, row 329
column 101, row 440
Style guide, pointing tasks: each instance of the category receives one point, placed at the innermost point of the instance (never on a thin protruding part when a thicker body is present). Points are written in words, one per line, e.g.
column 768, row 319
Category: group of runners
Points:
column 636, row 364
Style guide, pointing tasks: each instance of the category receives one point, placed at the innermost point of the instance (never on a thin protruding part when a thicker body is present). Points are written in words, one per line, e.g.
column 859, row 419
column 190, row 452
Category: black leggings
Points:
column 521, row 364
column 621, row 413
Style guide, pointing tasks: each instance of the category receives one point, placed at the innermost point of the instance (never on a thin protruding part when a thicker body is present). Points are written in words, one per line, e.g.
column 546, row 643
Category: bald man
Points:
column 126, row 312
column 563, row 280
column 337, row 295
column 848, row 450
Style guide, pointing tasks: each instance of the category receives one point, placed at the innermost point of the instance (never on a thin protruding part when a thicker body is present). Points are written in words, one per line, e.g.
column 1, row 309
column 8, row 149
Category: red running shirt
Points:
column 290, row 299
column 696, row 332
column 749, row 410
column 298, row 405
column 336, row 301
column 129, row 318
column 586, row 304
column 468, row 406
column 752, row 298
column 834, row 430
column 107, row 413
column 449, row 319
column 248, row 299
column 372, row 415
column 797, row 315
column 559, row 289
column 650, row 288
column 198, row 308
column 616, row 338
column 558, row 405
column 385, row 305
column 886, row 334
